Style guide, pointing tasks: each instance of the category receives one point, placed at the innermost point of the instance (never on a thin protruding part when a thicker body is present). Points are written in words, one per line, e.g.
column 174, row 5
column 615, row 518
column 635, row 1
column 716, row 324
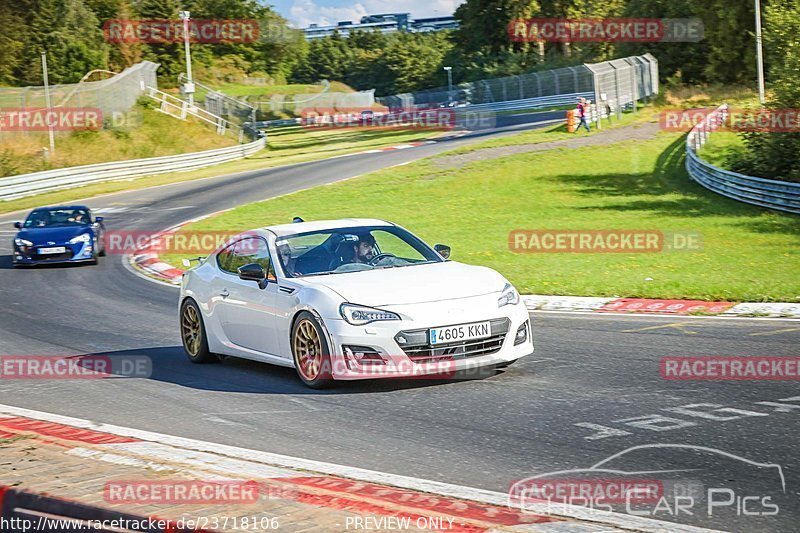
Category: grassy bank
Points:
column 747, row 254
column 285, row 146
column 144, row 132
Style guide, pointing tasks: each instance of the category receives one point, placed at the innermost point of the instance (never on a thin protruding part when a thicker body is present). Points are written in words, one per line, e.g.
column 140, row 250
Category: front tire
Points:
column 193, row 334
column 312, row 359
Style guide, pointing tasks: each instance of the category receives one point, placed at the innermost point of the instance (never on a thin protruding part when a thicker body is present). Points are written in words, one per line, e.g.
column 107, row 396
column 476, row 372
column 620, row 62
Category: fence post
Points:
column 596, row 86
column 574, row 79
column 616, row 91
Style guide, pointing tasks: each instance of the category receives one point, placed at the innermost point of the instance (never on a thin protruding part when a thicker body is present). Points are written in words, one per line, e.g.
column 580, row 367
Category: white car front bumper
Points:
column 400, row 349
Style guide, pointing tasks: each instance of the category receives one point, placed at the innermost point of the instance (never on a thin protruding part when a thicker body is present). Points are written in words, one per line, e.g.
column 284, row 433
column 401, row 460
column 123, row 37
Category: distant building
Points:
column 385, row 23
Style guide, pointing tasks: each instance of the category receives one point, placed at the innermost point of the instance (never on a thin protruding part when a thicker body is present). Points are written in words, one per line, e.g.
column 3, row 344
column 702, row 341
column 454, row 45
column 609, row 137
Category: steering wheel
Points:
column 375, row 260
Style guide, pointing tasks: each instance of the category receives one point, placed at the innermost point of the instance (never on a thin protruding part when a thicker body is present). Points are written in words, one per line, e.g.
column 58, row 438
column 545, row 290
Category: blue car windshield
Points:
column 51, row 218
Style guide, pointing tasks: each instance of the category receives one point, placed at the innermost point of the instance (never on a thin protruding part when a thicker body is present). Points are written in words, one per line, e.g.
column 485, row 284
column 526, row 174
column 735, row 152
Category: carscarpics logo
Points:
column 659, row 481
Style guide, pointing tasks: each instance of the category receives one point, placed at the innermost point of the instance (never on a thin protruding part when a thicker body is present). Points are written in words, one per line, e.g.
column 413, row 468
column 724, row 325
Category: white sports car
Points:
column 349, row 299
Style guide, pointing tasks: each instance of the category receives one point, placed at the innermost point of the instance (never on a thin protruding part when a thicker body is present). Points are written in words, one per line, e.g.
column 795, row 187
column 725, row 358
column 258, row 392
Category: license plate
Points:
column 464, row 332
column 54, row 250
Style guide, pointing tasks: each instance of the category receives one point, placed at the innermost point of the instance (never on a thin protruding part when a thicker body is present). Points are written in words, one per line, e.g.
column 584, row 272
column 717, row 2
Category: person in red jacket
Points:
column 583, row 109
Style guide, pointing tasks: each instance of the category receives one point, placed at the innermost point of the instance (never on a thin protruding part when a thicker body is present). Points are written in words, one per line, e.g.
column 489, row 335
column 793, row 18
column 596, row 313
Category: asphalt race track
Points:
column 591, row 390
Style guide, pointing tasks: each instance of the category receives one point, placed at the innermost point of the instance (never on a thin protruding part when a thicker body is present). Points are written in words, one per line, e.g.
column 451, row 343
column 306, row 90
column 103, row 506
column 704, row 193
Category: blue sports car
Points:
column 63, row 234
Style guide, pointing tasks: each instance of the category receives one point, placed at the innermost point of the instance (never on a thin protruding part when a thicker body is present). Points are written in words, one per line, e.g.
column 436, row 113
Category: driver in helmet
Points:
column 364, row 249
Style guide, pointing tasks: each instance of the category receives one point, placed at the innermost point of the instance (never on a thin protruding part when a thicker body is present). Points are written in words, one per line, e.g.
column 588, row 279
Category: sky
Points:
column 301, row 13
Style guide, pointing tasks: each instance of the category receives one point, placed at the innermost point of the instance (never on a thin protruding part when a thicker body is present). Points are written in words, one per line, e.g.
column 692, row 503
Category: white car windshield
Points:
column 356, row 249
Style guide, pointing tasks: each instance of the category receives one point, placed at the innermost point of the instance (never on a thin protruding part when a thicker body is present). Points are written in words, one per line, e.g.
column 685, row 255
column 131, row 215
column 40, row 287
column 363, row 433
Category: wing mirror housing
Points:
column 253, row 272
column 18, row 225
column 98, row 219
column 443, row 250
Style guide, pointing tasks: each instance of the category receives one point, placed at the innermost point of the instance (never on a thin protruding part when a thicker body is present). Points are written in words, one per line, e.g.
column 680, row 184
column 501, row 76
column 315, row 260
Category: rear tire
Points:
column 312, row 359
column 193, row 334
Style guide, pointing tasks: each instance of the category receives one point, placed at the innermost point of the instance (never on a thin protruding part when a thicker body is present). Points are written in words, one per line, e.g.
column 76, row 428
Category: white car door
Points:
column 248, row 311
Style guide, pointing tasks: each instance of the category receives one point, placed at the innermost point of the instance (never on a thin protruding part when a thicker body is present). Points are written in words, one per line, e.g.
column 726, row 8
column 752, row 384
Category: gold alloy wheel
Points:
column 191, row 330
column 307, row 349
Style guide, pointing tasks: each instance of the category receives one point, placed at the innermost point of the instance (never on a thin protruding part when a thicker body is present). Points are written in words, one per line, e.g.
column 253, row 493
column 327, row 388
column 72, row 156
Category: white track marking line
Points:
column 189, row 447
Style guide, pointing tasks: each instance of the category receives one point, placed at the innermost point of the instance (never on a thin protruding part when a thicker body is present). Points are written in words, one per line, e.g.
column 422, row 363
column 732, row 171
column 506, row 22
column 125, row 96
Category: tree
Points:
column 686, row 61
column 70, row 34
column 169, row 54
column 775, row 155
column 729, row 30
column 12, row 42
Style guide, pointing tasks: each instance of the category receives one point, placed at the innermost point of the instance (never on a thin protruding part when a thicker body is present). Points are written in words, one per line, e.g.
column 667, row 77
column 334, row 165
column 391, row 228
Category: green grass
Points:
column 748, row 254
column 286, row 146
column 720, row 146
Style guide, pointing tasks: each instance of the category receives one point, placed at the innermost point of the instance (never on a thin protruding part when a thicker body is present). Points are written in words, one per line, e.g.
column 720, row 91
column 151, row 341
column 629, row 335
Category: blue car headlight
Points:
column 22, row 242
column 509, row 296
column 358, row 315
column 83, row 237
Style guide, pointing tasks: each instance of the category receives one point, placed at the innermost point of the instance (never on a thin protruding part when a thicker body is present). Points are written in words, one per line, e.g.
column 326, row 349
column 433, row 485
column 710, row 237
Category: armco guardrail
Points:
column 772, row 194
column 64, row 178
column 529, row 103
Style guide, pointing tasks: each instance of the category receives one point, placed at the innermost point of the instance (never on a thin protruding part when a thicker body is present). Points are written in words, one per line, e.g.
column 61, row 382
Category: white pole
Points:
column 47, row 103
column 759, row 54
column 449, row 84
column 185, row 15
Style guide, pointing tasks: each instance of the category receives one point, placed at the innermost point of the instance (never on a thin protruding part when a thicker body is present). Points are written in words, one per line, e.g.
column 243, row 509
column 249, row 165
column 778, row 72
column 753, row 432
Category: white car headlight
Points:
column 358, row 315
column 83, row 237
column 510, row 296
column 22, row 242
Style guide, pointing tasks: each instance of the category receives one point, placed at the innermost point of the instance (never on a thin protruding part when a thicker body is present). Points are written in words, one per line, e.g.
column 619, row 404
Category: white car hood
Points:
column 413, row 284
